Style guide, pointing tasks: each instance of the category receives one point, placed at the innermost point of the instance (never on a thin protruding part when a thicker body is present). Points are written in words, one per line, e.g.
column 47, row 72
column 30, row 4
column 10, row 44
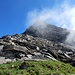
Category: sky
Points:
column 17, row 15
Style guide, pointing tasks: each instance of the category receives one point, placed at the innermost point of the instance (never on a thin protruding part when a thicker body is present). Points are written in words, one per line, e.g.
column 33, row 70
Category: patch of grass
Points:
column 48, row 67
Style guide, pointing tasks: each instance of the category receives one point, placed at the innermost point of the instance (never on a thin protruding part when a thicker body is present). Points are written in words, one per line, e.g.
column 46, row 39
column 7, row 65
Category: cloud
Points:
column 62, row 15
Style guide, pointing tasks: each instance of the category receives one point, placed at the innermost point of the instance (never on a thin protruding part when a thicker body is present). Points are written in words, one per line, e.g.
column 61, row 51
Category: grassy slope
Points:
column 49, row 67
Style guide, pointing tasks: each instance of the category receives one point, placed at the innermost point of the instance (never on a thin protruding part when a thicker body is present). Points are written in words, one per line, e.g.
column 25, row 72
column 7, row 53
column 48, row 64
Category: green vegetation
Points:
column 48, row 67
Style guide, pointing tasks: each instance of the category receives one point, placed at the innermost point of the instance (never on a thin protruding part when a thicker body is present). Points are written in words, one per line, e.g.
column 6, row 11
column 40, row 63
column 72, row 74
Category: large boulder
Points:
column 24, row 65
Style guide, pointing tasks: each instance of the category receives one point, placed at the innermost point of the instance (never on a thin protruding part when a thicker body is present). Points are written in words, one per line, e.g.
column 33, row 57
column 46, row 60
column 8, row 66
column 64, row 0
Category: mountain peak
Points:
column 47, row 31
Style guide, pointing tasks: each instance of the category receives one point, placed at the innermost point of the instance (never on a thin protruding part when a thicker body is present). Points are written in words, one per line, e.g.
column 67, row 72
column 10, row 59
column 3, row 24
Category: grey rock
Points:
column 37, row 53
column 69, row 53
column 14, row 48
column 37, row 48
column 2, row 60
column 67, row 56
column 50, row 57
column 60, row 52
column 1, row 47
column 29, row 56
column 48, row 54
column 38, row 57
column 21, row 55
column 8, row 60
column 45, row 50
column 9, row 54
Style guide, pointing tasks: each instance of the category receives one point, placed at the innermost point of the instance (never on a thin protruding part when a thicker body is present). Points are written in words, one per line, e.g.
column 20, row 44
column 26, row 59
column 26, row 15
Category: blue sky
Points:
column 14, row 13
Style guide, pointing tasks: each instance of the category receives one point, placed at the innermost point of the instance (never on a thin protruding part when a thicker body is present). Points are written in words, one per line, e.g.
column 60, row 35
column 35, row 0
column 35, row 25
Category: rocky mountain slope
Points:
column 30, row 46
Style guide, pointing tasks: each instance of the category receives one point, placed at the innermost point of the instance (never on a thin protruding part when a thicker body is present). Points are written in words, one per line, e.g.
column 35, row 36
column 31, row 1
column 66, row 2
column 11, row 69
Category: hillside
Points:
column 43, row 44
column 48, row 67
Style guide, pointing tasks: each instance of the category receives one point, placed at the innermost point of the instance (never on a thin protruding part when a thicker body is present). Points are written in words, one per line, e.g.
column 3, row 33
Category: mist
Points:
column 62, row 15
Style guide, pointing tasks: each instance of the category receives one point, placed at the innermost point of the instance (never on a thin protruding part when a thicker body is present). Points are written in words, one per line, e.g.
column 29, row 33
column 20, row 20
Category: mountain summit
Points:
column 47, row 31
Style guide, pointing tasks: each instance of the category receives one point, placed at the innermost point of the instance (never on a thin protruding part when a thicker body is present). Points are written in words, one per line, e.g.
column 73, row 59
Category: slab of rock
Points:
column 14, row 48
column 8, row 60
column 50, row 57
column 29, row 56
column 2, row 60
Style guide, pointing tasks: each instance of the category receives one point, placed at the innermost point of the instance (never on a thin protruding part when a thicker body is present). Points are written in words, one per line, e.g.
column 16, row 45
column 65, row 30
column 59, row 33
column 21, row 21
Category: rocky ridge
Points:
column 27, row 47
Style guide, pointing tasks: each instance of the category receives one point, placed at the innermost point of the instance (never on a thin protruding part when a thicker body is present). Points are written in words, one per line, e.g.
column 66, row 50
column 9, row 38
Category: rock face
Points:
column 27, row 47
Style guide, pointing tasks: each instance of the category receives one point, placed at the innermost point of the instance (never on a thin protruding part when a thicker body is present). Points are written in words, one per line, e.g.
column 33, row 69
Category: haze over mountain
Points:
column 52, row 32
column 47, row 31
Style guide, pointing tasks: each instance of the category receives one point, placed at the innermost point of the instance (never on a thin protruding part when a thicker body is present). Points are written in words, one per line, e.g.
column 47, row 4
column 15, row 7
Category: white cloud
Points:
column 62, row 16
